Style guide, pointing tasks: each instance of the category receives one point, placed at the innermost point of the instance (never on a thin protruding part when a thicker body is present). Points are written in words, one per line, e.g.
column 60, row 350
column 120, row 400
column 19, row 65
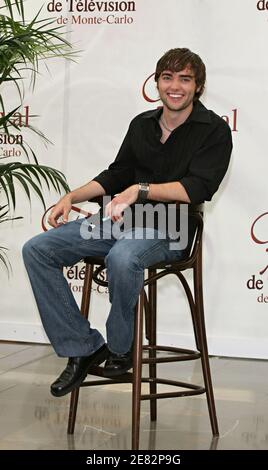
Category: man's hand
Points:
column 119, row 203
column 61, row 209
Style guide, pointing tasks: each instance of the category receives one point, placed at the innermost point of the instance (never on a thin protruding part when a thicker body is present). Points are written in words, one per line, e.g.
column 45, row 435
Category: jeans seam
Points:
column 135, row 283
column 141, row 259
column 65, row 298
column 151, row 250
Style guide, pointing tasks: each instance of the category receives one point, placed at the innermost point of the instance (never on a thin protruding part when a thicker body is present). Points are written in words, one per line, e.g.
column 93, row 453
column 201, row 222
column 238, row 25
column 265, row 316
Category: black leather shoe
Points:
column 76, row 371
column 117, row 364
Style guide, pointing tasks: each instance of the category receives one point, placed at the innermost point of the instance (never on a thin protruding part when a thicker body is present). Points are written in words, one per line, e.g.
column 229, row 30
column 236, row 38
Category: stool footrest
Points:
column 193, row 389
column 181, row 354
column 185, row 393
column 128, row 378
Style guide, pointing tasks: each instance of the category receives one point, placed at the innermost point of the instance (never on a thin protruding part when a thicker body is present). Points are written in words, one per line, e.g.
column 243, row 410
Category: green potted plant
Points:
column 23, row 44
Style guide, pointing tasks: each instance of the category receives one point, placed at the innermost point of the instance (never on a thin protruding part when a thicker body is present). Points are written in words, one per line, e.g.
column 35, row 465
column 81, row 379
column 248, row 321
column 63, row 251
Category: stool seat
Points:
column 96, row 260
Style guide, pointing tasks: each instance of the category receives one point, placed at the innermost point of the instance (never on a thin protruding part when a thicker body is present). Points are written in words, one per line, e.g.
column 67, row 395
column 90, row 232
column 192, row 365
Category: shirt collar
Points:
column 199, row 114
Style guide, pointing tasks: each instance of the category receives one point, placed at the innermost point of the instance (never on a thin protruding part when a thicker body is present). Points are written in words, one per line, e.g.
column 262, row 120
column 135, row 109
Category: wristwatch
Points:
column 143, row 191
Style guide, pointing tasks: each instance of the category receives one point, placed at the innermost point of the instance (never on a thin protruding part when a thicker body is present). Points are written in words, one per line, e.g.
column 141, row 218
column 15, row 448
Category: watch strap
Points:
column 143, row 191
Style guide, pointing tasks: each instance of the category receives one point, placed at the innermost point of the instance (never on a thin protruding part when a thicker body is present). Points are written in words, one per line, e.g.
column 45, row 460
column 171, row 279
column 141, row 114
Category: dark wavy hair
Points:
column 178, row 59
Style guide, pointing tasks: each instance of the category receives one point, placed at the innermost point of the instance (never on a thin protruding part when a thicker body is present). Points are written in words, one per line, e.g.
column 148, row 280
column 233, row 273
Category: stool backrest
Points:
column 197, row 212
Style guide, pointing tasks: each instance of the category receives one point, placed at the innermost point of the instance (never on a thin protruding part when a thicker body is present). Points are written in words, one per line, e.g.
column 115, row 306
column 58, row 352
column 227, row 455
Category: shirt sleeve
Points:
column 209, row 165
column 120, row 174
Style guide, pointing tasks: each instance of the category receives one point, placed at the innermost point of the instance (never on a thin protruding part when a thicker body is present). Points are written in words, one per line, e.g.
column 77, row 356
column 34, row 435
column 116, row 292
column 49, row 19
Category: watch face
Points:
column 144, row 186
column 143, row 190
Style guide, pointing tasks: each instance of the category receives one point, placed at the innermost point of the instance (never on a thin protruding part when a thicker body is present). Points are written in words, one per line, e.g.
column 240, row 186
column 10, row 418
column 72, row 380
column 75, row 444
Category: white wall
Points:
column 85, row 108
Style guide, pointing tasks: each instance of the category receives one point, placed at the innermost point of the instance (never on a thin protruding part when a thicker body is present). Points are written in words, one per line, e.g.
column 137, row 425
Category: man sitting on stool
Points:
column 177, row 153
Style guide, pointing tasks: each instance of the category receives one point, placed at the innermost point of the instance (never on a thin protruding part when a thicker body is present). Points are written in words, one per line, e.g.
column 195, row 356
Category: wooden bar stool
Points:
column 148, row 303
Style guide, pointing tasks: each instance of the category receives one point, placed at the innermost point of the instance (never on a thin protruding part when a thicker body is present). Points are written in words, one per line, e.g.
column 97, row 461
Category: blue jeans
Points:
column 125, row 258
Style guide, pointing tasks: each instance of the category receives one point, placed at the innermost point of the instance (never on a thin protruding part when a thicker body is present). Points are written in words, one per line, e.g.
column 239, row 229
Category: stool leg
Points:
column 73, row 410
column 137, row 370
column 84, row 311
column 147, row 316
column 152, row 342
column 192, row 307
column 203, row 343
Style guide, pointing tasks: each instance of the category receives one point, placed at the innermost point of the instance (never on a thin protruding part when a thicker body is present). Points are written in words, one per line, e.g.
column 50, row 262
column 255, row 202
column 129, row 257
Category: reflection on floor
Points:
column 31, row 418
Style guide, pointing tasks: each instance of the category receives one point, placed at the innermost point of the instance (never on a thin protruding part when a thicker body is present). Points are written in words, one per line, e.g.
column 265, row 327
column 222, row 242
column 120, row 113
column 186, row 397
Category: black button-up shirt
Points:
column 196, row 154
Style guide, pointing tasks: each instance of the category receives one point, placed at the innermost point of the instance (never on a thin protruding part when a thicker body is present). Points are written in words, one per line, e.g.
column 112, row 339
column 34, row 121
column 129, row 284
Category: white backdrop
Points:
column 85, row 107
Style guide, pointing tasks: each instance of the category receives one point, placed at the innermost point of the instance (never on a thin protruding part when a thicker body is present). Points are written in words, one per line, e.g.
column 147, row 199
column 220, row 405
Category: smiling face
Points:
column 177, row 89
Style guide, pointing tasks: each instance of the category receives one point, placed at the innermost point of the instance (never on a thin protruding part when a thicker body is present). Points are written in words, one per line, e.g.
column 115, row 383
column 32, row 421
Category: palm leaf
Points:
column 30, row 177
column 19, row 5
column 27, row 44
column 8, row 123
column 4, row 210
column 22, row 46
column 5, row 119
column 4, row 259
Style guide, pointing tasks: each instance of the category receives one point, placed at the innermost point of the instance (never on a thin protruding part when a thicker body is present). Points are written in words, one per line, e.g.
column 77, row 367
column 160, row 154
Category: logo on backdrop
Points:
column 75, row 276
column 257, row 281
column 149, row 93
column 87, row 12
column 8, row 142
column 262, row 5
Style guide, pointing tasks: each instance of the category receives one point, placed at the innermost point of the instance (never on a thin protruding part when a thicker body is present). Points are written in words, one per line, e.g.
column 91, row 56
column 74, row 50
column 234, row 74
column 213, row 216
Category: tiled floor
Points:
column 31, row 418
